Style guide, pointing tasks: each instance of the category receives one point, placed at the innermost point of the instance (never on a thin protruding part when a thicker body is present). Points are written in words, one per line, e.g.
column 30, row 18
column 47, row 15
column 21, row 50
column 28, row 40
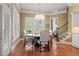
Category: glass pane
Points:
column 39, row 25
column 34, row 26
column 28, row 24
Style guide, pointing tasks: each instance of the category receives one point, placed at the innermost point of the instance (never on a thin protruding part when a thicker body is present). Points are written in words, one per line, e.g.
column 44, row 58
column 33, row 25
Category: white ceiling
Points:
column 44, row 7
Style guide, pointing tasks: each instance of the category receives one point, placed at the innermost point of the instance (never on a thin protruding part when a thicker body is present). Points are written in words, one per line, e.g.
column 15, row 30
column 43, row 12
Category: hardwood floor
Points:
column 56, row 50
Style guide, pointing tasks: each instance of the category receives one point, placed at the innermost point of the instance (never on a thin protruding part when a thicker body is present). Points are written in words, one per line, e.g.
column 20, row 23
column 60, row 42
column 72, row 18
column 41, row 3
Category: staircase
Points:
column 65, row 38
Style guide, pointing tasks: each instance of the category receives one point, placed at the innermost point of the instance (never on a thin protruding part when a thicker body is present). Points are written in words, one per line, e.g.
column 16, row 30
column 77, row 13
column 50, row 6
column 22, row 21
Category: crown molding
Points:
column 23, row 11
column 69, row 4
column 32, row 12
column 58, row 12
column 72, row 4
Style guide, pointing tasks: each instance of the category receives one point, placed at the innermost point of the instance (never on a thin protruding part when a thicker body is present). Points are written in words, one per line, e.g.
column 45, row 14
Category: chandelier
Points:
column 39, row 16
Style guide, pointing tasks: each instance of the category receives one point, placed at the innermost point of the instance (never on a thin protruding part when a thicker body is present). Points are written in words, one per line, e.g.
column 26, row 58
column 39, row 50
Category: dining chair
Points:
column 44, row 39
column 28, row 41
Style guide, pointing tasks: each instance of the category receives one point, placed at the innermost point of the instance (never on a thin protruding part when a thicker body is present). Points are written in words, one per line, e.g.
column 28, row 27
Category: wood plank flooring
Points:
column 56, row 50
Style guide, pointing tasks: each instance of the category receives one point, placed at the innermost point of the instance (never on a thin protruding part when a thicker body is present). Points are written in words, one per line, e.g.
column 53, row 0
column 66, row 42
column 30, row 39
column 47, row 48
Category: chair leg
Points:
column 48, row 45
column 24, row 42
column 51, row 41
column 40, row 46
column 33, row 46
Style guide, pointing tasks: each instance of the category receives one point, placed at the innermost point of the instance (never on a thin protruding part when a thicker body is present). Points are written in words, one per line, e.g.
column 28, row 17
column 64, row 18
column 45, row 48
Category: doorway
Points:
column 54, row 24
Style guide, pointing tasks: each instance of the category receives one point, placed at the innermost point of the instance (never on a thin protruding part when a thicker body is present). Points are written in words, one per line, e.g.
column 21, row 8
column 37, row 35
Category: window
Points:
column 33, row 26
column 28, row 24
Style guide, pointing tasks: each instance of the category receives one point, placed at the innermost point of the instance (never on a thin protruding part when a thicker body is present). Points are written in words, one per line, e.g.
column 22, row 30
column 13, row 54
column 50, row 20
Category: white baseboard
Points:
column 15, row 44
column 21, row 38
column 75, row 46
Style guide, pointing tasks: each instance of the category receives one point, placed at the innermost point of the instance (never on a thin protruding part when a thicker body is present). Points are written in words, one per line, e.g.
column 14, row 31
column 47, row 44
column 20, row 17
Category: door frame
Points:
column 52, row 22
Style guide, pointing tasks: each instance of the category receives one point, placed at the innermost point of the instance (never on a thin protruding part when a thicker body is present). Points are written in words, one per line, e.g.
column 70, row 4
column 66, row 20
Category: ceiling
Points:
column 43, row 7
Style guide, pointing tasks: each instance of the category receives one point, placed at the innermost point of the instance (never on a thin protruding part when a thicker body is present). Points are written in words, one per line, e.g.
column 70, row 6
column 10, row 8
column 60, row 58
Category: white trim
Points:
column 71, row 4
column 75, row 46
column 14, row 46
column 21, row 38
column 52, row 20
column 71, row 20
column 17, row 7
column 58, row 12
column 23, row 11
column 32, row 12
